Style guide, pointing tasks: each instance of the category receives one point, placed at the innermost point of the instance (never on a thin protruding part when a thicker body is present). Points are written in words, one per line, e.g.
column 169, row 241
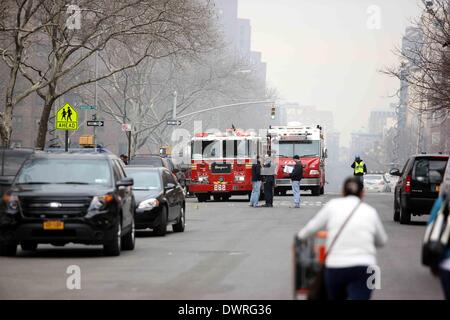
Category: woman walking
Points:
column 354, row 231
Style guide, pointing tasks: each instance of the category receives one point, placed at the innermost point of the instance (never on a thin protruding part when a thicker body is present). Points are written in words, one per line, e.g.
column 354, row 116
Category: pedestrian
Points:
column 359, row 168
column 296, row 176
column 256, row 183
column 354, row 230
column 443, row 270
column 124, row 158
column 269, row 182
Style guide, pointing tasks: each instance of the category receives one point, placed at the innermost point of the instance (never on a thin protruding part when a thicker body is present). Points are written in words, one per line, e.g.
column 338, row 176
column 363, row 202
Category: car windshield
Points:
column 144, row 179
column 65, row 171
column 152, row 162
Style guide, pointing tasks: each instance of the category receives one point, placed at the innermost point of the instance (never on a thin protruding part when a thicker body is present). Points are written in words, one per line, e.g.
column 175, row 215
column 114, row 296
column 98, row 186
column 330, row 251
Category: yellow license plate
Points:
column 53, row 225
column 438, row 188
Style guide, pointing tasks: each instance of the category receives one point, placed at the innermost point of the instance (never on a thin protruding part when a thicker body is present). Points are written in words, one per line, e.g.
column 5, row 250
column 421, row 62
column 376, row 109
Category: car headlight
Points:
column 11, row 202
column 314, row 172
column 100, row 202
column 148, row 204
column 203, row 179
column 239, row 178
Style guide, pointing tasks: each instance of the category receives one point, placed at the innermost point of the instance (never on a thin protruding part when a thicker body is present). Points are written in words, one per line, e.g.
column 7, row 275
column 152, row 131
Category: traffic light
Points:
column 272, row 113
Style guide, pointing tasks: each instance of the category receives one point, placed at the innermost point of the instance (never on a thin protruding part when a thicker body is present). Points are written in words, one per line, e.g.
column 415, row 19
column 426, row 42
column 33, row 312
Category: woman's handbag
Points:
column 317, row 290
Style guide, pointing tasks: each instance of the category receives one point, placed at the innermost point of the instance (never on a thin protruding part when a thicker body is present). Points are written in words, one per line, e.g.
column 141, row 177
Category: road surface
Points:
column 228, row 251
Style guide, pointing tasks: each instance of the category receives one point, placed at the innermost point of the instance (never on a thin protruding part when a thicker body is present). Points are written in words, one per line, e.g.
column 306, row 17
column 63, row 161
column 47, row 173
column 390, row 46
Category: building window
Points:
column 17, row 122
column 435, row 138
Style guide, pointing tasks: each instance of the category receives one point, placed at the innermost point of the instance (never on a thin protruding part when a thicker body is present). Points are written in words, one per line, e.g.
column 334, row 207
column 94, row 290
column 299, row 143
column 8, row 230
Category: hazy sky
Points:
column 321, row 52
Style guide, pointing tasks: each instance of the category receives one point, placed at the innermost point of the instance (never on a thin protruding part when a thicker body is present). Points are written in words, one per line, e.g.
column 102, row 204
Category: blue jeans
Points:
column 296, row 192
column 347, row 283
column 256, row 189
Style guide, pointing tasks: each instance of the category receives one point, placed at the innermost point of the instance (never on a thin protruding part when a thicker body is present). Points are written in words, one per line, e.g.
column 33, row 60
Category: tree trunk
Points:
column 43, row 124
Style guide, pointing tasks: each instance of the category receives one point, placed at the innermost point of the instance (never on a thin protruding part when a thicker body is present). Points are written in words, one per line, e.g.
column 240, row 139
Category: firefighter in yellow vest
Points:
column 359, row 168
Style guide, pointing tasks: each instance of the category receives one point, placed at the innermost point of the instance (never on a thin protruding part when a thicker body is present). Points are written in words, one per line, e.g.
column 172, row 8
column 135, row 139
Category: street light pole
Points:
column 95, row 92
column 174, row 108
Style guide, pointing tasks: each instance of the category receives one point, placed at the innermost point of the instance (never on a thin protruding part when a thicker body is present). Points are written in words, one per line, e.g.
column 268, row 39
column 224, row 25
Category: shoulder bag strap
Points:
column 340, row 230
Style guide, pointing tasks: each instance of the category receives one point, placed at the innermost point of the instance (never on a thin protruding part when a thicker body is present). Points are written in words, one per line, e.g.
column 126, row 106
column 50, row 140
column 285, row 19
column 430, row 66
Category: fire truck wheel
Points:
column 315, row 191
column 216, row 197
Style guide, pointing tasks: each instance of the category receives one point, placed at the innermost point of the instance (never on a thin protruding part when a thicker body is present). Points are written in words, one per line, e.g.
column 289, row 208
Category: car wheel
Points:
column 322, row 190
column 405, row 215
column 112, row 248
column 162, row 228
column 216, row 197
column 179, row 226
column 8, row 249
column 129, row 240
column 396, row 211
column 29, row 246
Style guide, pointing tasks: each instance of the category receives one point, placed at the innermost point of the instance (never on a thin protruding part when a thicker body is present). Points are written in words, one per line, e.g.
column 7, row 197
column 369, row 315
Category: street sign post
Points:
column 173, row 122
column 66, row 119
column 88, row 107
column 96, row 123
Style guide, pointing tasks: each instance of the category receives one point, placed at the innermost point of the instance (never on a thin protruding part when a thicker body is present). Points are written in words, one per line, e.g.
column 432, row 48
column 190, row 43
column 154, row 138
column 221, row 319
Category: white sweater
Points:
column 356, row 245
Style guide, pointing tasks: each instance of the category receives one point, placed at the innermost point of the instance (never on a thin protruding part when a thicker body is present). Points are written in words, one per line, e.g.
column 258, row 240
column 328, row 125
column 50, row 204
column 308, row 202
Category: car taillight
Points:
column 408, row 184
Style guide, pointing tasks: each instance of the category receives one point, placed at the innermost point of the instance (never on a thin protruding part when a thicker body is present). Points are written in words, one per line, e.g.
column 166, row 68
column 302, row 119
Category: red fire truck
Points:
column 306, row 141
column 222, row 164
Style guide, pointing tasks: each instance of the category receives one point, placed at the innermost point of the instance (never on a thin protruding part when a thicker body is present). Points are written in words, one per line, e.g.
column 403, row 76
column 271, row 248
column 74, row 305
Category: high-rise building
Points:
column 378, row 120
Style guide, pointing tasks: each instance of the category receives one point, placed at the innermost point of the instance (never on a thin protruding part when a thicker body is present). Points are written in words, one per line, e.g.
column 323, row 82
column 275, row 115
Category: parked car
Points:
column 10, row 162
column 152, row 161
column 376, row 183
column 69, row 197
column 392, row 180
column 160, row 199
column 418, row 185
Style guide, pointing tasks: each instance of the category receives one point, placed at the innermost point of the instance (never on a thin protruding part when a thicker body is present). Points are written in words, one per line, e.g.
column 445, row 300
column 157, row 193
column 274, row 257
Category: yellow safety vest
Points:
column 359, row 167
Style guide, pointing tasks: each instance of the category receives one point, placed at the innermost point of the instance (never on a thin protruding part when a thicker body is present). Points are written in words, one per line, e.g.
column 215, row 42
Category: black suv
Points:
column 69, row 197
column 418, row 185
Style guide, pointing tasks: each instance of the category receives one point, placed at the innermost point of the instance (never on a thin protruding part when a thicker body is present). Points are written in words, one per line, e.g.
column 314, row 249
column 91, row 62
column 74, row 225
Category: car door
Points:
column 126, row 195
column 171, row 195
column 400, row 181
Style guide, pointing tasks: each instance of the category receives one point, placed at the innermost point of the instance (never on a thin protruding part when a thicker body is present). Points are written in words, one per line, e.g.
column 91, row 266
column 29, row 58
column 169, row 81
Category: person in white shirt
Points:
column 346, row 266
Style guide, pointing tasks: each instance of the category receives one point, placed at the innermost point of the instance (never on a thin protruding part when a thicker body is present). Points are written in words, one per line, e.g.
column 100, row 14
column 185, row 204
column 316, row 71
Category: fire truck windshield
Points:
column 301, row 148
column 229, row 148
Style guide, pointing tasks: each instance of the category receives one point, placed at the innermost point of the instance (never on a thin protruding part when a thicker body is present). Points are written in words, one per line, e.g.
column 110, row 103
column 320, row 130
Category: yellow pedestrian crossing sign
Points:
column 67, row 118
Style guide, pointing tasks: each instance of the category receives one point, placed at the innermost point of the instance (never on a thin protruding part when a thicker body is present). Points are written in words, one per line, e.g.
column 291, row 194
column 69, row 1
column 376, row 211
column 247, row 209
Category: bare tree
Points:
column 425, row 60
column 138, row 29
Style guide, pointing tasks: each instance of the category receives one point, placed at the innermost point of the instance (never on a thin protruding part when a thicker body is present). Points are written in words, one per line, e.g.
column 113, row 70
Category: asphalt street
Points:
column 228, row 251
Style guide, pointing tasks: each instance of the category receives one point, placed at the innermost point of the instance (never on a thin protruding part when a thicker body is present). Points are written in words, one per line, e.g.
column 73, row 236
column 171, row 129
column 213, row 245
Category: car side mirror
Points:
column 125, row 182
column 170, row 186
column 6, row 180
column 395, row 172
